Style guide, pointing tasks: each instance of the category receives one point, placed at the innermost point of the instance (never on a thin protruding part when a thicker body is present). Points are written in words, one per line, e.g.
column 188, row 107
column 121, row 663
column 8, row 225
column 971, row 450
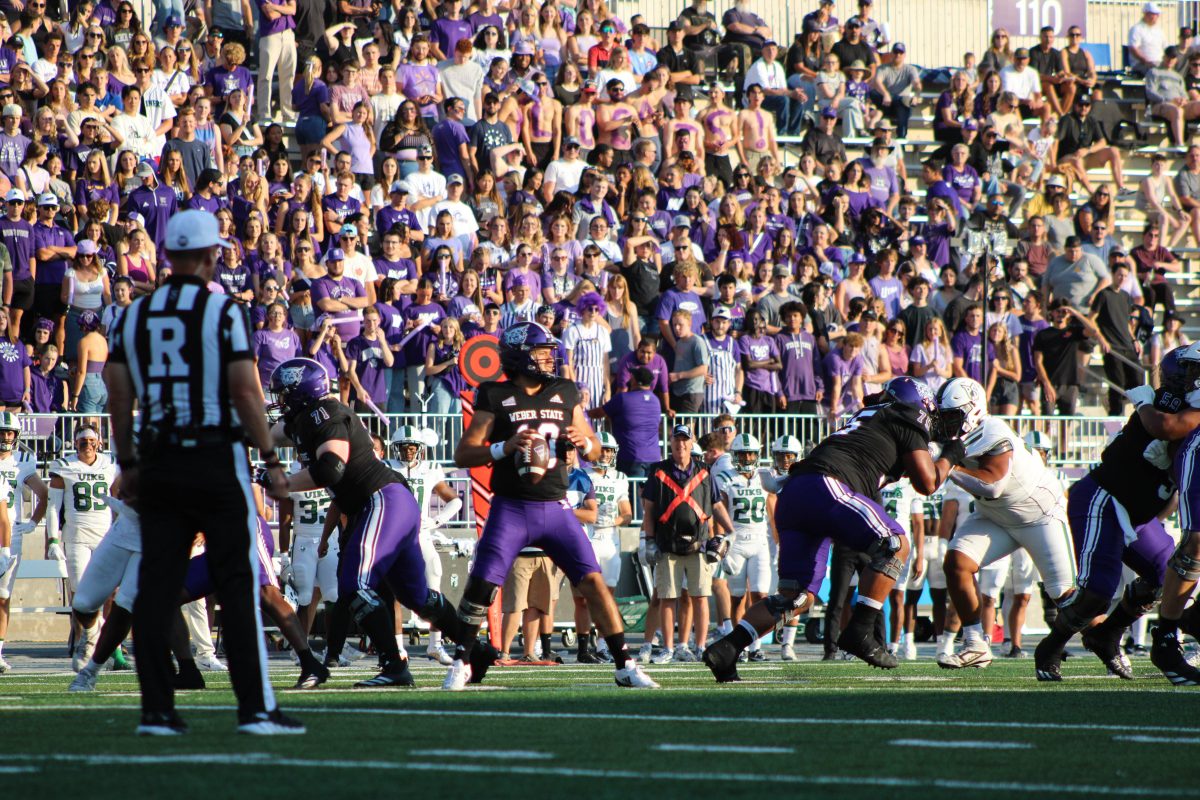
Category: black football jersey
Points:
column 365, row 474
column 868, row 450
column 548, row 412
column 1137, row 484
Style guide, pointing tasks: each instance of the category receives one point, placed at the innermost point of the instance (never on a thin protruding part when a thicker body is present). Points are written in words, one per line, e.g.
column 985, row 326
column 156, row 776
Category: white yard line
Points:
column 691, row 776
column 962, row 744
column 520, row 755
column 720, row 748
column 1156, row 739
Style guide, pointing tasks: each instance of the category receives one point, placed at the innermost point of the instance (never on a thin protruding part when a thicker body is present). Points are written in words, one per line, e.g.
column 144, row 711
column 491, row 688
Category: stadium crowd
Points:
column 735, row 216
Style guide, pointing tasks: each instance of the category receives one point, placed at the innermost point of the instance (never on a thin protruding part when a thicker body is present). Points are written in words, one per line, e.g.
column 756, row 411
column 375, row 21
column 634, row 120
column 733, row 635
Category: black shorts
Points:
column 47, row 301
column 22, row 295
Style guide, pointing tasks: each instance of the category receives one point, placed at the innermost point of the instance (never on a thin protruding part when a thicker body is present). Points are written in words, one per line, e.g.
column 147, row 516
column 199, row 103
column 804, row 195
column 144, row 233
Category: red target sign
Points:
column 479, row 360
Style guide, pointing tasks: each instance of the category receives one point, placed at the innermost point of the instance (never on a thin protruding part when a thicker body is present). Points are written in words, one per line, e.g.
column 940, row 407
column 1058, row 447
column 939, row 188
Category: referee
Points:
column 183, row 355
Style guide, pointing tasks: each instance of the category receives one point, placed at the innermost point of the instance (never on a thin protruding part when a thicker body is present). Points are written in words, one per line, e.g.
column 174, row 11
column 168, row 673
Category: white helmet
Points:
column 407, row 436
column 9, row 422
column 608, row 450
column 786, row 446
column 1036, row 440
column 745, row 449
column 962, row 406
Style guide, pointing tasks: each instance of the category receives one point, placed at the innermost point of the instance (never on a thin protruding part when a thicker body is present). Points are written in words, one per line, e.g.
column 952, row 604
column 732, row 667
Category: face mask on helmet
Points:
column 784, row 461
column 746, row 460
column 409, row 453
column 8, row 440
column 608, row 457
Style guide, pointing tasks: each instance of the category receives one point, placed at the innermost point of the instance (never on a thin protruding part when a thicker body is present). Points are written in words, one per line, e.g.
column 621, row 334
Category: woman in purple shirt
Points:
column 370, row 359
column 759, row 355
column 310, row 98
column 358, row 139
column 962, row 176
column 441, row 362
column 14, row 369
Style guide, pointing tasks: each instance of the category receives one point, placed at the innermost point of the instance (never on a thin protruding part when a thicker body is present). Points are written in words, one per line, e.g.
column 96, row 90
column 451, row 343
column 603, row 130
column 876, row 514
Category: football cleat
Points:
column 483, row 655
column 85, row 681
column 350, row 653
column 4, row 666
column 83, row 652
column 311, row 680
column 721, row 659
column 743, row 657
column 663, row 656
column 274, row 723
column 438, row 653
column 972, row 654
column 1167, row 654
column 211, row 664
column 1108, row 650
column 161, row 724
column 397, row 675
column 644, row 653
column 1047, row 658
column 758, row 655
column 605, row 656
column 683, row 655
column 866, row 647
column 1016, row 652
column 587, row 657
column 188, row 677
column 830, row 655
column 632, row 676
column 458, row 677
column 119, row 661
column 787, row 653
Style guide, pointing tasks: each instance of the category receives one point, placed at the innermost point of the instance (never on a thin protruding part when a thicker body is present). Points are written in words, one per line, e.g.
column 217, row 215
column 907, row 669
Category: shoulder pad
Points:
column 993, row 437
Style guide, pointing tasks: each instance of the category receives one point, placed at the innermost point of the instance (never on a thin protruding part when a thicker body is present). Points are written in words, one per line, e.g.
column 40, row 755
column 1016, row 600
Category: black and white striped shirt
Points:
column 177, row 344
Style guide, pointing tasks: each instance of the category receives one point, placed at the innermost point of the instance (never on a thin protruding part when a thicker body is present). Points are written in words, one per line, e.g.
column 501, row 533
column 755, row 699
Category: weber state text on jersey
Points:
column 868, row 448
column 1141, row 486
column 365, row 474
column 548, row 412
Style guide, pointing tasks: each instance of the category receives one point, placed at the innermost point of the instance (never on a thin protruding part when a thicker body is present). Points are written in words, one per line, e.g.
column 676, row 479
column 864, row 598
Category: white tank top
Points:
column 86, row 295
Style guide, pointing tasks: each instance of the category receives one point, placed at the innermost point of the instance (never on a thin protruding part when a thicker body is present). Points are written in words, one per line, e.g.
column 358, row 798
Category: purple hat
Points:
column 829, row 112
column 592, row 300
column 335, row 254
column 44, row 324
column 87, row 248
column 917, row 240
column 89, row 321
column 523, row 48
column 970, row 125
column 518, row 280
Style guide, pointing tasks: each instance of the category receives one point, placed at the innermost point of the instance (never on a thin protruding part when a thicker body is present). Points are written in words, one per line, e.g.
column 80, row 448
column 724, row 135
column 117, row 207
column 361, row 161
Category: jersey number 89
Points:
column 88, row 496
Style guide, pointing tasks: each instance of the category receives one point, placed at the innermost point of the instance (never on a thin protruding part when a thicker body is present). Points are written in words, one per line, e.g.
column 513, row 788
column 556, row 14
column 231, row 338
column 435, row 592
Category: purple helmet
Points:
column 1180, row 370
column 914, row 393
column 298, row 383
column 88, row 321
column 516, row 350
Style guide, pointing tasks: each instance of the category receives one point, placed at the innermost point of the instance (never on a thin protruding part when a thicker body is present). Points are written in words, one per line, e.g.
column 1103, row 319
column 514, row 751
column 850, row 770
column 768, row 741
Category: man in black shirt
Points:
column 1081, row 142
column 821, row 140
column 699, row 27
column 851, row 48
column 1112, row 311
column 680, row 61
column 1056, row 356
column 989, row 156
column 1057, row 87
column 641, row 274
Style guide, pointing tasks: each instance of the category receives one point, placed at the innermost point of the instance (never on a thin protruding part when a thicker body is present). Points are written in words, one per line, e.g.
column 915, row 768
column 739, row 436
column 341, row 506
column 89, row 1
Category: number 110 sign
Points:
column 1028, row 17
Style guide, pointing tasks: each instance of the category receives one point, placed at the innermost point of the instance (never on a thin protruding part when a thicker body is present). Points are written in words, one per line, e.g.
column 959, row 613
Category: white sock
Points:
column 400, row 637
column 946, row 641
column 726, row 627
column 1, row 647
column 435, row 639
column 1138, row 631
column 863, row 600
column 788, row 636
column 902, row 640
column 893, row 647
column 755, row 646
column 92, row 667
column 601, row 645
column 973, row 634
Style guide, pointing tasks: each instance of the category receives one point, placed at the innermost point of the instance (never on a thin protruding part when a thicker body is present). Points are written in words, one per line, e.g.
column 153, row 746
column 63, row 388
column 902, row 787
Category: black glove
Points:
column 954, row 451
column 715, row 549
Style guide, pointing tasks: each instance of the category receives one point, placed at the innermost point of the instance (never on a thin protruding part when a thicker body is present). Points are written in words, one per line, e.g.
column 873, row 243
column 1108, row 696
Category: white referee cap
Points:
column 194, row 230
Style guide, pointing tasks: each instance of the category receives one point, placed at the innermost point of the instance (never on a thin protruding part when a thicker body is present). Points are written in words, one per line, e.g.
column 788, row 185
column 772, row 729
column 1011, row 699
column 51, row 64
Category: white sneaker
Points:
column 457, row 677
column 644, row 653
column 634, row 677
column 787, row 653
column 439, row 655
column 85, row 681
column 351, row 653
column 4, row 666
column 661, row 657
column 683, row 655
column 972, row 654
column 910, row 650
column 213, row 664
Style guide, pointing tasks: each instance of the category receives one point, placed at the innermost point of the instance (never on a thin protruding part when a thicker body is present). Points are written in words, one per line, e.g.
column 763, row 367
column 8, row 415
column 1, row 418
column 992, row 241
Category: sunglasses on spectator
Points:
column 726, row 429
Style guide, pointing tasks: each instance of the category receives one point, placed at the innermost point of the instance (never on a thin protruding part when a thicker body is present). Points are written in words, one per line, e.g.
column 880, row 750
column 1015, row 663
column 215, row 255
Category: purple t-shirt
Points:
column 367, row 358
column 45, row 392
column 343, row 208
column 1029, row 331
column 387, row 216
column 799, row 379
column 964, row 181
column 672, row 300
column 12, row 153
column 272, row 349
column 969, row 347
column 636, row 424
column 348, row 322
column 156, row 207
column 761, row 348
column 889, row 290
column 17, row 236
column 657, row 367
column 51, row 271
column 222, row 81
column 836, row 366
column 448, row 32
column 308, row 103
column 13, row 361
column 267, row 27
column 447, row 136
column 414, row 351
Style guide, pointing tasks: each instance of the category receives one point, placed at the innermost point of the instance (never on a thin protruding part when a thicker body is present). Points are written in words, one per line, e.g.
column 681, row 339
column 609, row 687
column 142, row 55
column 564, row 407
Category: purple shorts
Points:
column 383, row 546
column 513, row 525
column 814, row 510
column 1105, row 540
column 198, row 581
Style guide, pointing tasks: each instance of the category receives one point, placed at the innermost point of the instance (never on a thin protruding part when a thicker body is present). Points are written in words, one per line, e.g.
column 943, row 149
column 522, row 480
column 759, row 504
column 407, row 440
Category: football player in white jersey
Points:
column 747, row 565
column 1018, row 503
column 312, row 576
column 903, row 504
column 79, row 487
column 785, row 451
column 18, row 469
column 426, row 479
column 957, row 506
column 612, row 493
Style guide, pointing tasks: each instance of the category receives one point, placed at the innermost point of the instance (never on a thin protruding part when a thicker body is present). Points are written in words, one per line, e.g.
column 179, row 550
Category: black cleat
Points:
column 483, row 655
column 830, row 655
column 1108, row 649
column 721, row 658
column 311, row 680
column 166, row 723
column 397, row 675
column 587, row 657
column 273, row 723
column 188, row 677
column 1046, row 661
column 1167, row 654
column 866, row 647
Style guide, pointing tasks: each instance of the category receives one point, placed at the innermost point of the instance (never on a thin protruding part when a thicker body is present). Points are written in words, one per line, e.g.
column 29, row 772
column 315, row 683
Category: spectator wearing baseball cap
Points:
column 1147, row 40
column 154, row 201
column 635, row 417
column 897, row 86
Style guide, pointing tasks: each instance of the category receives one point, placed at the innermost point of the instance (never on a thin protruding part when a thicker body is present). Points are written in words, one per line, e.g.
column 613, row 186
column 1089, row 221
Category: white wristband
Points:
column 497, row 450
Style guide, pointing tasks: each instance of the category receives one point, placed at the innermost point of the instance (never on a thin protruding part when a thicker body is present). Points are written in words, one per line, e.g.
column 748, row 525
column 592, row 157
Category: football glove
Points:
column 22, row 528
column 715, row 549
column 954, row 451
column 1142, row 395
column 1157, row 453
column 55, row 551
column 1192, row 398
column 648, row 552
column 287, row 575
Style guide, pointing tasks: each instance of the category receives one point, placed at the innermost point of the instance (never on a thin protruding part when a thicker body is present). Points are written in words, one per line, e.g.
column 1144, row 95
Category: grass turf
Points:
column 828, row 729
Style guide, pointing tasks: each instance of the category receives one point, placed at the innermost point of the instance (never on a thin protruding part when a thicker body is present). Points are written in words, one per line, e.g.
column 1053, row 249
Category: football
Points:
column 533, row 459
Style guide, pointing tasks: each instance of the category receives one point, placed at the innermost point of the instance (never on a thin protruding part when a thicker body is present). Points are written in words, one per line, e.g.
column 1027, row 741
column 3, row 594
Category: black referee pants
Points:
column 182, row 492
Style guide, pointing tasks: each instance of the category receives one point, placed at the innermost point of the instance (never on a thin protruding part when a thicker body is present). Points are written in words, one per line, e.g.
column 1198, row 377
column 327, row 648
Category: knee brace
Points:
column 789, row 600
column 1078, row 611
column 1186, row 558
column 440, row 614
column 1140, row 596
column 477, row 598
column 364, row 603
column 882, row 554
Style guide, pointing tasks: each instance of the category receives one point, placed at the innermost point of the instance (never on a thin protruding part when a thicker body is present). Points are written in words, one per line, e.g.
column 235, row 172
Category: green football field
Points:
column 824, row 729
